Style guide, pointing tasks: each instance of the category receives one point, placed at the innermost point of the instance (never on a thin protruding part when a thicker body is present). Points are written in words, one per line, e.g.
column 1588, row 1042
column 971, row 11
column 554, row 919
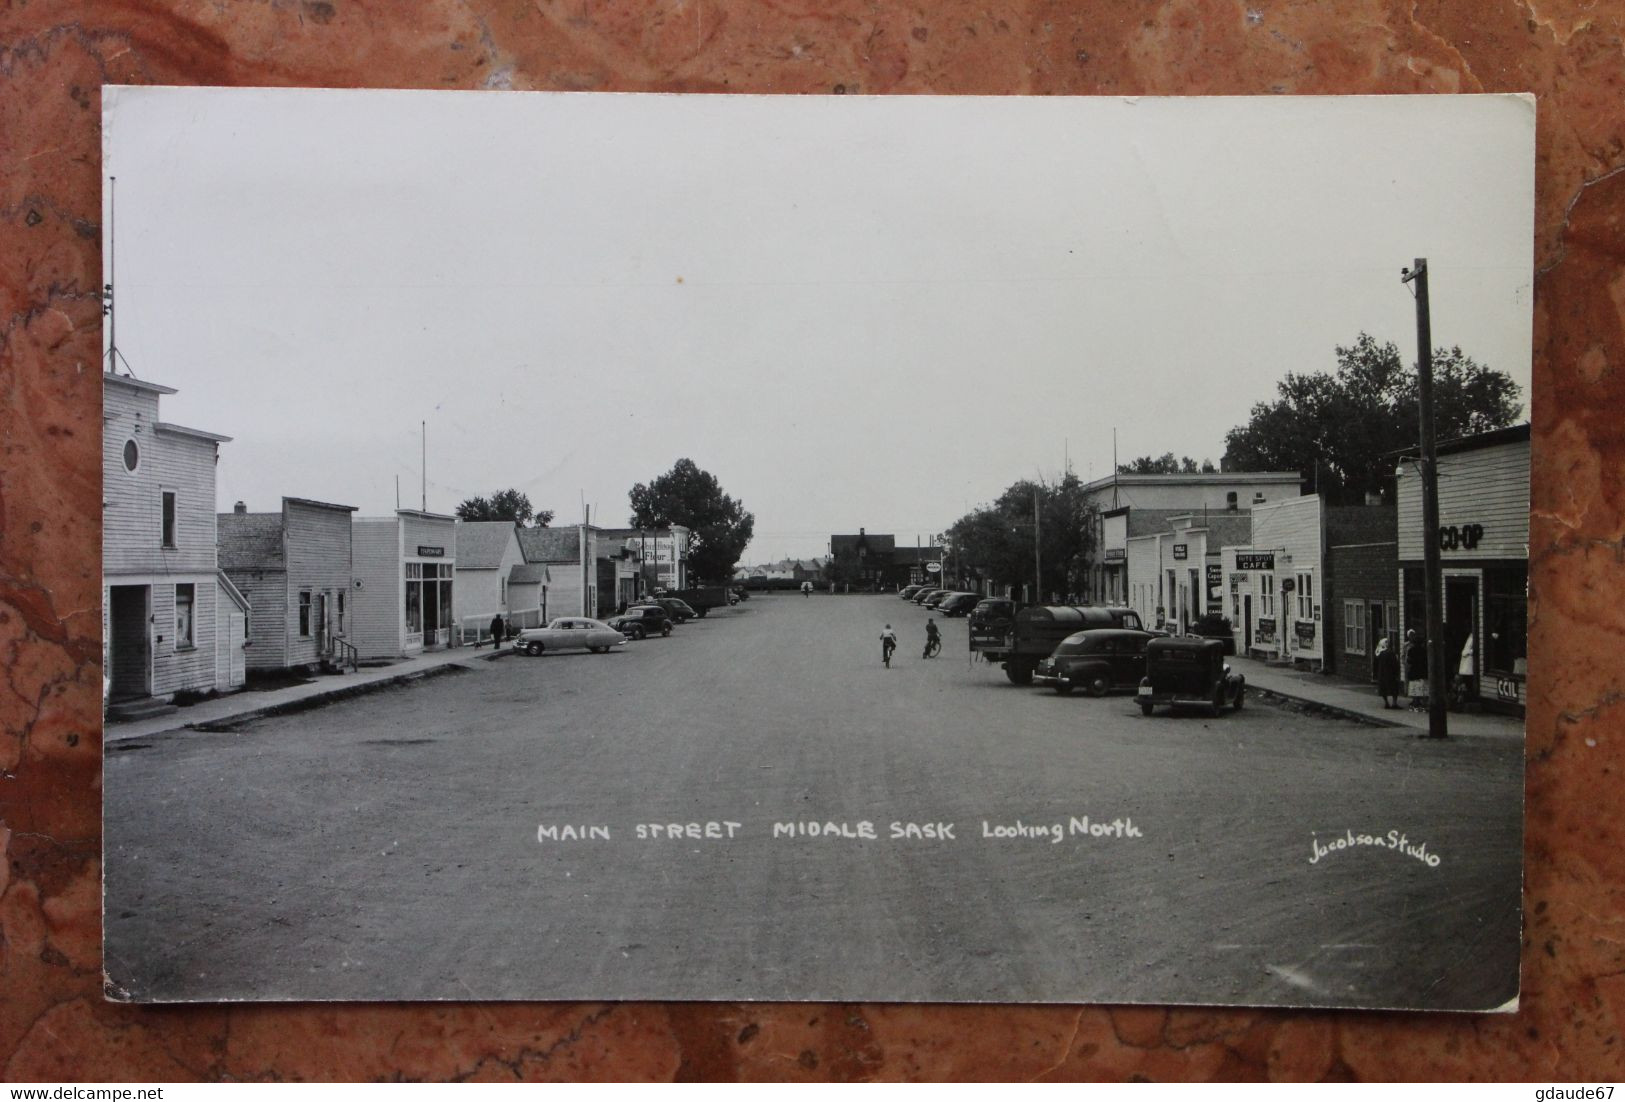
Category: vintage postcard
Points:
column 570, row 546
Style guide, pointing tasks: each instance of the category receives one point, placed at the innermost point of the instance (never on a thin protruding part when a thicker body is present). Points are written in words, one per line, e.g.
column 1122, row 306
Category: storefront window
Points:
column 1354, row 627
column 1506, row 620
column 414, row 598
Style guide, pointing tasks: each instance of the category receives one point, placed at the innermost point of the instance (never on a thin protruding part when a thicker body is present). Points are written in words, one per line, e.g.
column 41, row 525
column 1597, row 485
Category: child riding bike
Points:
column 888, row 643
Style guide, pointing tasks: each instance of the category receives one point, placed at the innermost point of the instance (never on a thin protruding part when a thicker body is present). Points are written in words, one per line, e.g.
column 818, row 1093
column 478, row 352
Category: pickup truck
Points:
column 1037, row 630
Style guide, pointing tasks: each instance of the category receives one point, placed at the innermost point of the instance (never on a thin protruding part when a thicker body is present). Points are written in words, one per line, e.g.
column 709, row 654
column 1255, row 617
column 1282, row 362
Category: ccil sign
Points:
column 933, row 568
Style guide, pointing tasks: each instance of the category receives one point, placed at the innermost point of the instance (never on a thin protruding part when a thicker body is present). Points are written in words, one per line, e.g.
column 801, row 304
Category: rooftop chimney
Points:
column 240, row 508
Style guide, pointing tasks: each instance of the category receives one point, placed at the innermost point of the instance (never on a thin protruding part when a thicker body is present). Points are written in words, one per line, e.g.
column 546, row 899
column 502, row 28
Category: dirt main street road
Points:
column 506, row 833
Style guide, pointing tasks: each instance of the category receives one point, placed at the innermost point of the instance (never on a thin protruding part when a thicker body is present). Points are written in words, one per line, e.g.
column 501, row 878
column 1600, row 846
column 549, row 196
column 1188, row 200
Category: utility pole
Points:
column 1432, row 576
column 423, row 465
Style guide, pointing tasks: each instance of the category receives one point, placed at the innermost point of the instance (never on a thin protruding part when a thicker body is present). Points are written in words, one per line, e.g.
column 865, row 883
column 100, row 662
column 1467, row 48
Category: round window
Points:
column 132, row 455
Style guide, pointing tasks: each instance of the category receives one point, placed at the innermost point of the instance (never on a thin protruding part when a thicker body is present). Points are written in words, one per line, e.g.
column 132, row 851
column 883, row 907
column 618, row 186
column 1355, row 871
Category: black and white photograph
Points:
column 820, row 548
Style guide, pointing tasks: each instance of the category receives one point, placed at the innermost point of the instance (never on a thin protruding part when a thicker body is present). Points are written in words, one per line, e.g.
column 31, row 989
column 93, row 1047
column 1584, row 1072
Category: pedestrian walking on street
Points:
column 888, row 643
column 1387, row 663
column 498, row 630
column 1414, row 659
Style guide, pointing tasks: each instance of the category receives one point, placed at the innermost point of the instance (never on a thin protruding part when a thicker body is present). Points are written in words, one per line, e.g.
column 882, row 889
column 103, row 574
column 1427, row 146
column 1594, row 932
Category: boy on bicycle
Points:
column 888, row 643
column 933, row 641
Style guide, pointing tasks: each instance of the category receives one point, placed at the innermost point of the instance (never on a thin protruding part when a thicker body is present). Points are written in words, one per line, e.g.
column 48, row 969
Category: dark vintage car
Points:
column 958, row 604
column 1097, row 661
column 678, row 610
column 925, row 596
column 641, row 621
column 1189, row 672
column 990, row 623
column 1039, row 629
column 908, row 592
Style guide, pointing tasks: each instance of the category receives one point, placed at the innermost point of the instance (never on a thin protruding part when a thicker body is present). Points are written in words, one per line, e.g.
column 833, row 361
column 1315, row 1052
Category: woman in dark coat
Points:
column 1387, row 663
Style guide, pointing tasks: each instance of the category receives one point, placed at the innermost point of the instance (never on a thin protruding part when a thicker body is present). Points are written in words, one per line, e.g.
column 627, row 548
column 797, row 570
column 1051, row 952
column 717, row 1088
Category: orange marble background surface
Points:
column 56, row 54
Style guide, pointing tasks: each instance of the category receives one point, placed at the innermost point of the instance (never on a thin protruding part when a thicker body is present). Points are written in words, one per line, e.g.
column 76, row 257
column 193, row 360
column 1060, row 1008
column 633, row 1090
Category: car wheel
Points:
column 638, row 633
column 1018, row 674
column 1099, row 685
column 1145, row 707
column 1216, row 705
column 702, row 612
column 533, row 649
column 1063, row 688
column 1241, row 691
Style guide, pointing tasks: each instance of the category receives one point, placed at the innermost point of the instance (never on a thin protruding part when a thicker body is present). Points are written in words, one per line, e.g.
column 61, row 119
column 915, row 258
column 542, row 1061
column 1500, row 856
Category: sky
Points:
column 869, row 312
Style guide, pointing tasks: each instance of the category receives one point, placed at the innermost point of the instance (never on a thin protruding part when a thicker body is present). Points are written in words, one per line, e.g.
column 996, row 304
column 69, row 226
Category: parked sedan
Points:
column 640, row 621
column 958, row 604
column 1099, row 660
column 677, row 609
column 924, row 596
column 908, row 592
column 570, row 633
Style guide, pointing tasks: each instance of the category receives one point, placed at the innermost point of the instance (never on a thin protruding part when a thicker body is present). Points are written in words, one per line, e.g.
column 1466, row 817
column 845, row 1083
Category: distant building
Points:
column 1276, row 582
column 488, row 552
column 871, row 561
column 662, row 554
column 405, row 583
column 171, row 622
column 571, row 555
column 294, row 567
column 1143, row 504
column 1175, row 575
column 1362, row 587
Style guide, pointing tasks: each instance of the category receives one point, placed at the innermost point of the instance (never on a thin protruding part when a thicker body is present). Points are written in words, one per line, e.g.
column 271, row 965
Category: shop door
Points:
column 1376, row 628
column 1460, row 624
column 431, row 612
column 238, row 655
column 130, row 641
column 320, row 613
column 1246, row 622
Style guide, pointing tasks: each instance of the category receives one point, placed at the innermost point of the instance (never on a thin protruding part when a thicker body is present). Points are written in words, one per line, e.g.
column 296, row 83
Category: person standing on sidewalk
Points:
column 498, row 630
column 1387, row 664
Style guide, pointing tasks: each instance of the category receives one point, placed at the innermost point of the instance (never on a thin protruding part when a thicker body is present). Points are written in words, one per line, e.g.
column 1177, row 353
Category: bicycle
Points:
column 933, row 648
column 887, row 646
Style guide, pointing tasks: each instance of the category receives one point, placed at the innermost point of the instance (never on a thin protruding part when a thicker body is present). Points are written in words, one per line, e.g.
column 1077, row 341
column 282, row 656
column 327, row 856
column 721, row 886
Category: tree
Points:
column 995, row 541
column 719, row 527
column 505, row 505
column 1166, row 464
column 1341, row 429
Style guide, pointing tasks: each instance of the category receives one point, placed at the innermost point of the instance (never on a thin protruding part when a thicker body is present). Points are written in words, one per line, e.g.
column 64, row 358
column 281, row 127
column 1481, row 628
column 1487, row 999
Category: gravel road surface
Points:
column 507, row 832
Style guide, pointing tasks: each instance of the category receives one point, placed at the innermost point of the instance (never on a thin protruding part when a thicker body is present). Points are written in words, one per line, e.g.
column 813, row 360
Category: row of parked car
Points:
column 1101, row 649
column 949, row 602
column 655, row 616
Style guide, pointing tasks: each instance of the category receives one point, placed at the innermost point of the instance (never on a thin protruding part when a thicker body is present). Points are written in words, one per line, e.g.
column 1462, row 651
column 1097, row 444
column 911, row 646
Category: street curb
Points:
column 1331, row 709
column 304, row 703
column 317, row 700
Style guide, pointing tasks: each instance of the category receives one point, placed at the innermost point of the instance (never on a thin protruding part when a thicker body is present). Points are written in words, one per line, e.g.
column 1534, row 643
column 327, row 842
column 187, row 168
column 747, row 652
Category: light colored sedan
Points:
column 570, row 633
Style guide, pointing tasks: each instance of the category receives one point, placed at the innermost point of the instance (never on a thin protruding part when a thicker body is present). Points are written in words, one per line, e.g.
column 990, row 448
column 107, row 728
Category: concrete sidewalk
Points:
column 240, row 707
column 1359, row 700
